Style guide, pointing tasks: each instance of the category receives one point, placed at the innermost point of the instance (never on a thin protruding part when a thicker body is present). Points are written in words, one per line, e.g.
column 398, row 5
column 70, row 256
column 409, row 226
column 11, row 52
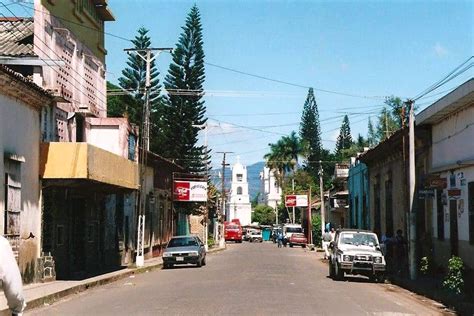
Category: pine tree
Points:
column 344, row 140
column 371, row 135
column 186, row 72
column 133, row 80
column 310, row 132
column 386, row 125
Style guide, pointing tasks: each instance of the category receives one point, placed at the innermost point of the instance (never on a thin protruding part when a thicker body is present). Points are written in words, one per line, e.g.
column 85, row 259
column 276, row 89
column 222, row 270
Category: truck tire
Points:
column 331, row 270
column 338, row 273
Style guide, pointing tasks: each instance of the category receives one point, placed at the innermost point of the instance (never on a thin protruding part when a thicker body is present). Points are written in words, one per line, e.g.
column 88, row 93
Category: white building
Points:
column 270, row 191
column 239, row 205
column 451, row 119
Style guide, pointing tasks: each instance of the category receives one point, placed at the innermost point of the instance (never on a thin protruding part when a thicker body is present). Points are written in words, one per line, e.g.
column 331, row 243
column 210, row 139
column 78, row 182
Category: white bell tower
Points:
column 239, row 202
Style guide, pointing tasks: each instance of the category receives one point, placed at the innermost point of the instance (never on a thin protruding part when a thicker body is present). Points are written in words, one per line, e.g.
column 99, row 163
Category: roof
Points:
column 26, row 81
column 16, row 37
column 455, row 101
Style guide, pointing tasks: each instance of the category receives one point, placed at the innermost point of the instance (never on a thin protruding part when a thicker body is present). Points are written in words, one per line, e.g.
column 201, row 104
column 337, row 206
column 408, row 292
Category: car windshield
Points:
column 358, row 239
column 182, row 242
column 232, row 227
column 294, row 230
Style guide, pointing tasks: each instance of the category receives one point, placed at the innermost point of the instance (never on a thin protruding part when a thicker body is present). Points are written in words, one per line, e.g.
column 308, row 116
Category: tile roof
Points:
column 16, row 37
column 12, row 74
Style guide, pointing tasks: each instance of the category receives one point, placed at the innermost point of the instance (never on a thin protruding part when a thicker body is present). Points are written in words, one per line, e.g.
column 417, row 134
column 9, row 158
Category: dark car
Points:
column 184, row 250
column 298, row 239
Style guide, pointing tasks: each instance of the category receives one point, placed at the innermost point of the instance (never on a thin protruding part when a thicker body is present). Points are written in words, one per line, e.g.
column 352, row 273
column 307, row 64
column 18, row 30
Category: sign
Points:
column 454, row 194
column 426, row 194
column 190, row 191
column 437, row 183
column 296, row 200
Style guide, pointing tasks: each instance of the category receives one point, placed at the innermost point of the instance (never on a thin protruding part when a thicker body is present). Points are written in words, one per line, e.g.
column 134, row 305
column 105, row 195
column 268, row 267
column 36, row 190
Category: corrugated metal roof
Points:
column 16, row 37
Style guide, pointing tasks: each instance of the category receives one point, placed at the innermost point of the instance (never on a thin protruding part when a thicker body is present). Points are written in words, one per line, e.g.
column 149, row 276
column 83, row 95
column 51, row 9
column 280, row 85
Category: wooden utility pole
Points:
column 412, row 213
column 146, row 55
column 222, row 211
column 321, row 190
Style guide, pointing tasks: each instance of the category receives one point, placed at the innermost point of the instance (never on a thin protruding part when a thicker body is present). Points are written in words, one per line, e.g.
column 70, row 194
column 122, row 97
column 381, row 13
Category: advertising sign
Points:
column 190, row 191
column 454, row 194
column 296, row 200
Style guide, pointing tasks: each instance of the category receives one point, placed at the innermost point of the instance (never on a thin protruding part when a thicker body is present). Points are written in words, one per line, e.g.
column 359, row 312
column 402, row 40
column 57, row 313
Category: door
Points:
column 453, row 226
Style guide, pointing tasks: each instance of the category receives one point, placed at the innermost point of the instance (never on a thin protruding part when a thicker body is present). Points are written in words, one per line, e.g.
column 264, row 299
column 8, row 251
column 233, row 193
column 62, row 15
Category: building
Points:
column 270, row 190
column 238, row 206
column 449, row 185
column 338, row 209
column 359, row 195
column 21, row 102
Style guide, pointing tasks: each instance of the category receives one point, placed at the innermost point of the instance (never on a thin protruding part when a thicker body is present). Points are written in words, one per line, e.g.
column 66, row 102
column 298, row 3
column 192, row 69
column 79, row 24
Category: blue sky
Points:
column 364, row 48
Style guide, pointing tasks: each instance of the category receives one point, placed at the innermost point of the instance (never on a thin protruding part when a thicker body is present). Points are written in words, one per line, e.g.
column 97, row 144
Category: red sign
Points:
column 454, row 193
column 290, row 200
column 181, row 190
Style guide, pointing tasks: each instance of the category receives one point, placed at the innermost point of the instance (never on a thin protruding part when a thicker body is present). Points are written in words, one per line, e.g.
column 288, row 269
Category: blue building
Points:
column 359, row 195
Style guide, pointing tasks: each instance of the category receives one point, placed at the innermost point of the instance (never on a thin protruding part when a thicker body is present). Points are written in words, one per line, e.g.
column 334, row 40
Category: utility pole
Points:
column 412, row 213
column 293, row 188
column 321, row 190
column 310, row 224
column 221, row 213
column 146, row 55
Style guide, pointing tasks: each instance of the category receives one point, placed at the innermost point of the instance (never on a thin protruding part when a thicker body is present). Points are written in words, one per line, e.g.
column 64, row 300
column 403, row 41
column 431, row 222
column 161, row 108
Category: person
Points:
column 10, row 278
column 333, row 234
column 326, row 241
column 399, row 252
column 279, row 239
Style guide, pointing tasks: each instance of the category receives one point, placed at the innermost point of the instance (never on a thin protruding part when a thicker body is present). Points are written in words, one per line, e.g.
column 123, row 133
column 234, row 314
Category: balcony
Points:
column 63, row 162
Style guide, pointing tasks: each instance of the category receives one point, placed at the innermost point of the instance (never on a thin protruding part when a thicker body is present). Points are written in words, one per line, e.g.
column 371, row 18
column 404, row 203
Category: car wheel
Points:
column 339, row 274
column 291, row 245
column 304, row 246
column 204, row 261
column 199, row 263
column 331, row 269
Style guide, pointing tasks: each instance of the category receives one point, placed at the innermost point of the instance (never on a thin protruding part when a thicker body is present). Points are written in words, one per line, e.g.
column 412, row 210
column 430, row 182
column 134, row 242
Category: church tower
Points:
column 239, row 200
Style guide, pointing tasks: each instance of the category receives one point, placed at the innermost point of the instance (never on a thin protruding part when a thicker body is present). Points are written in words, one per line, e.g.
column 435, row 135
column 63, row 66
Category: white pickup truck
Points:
column 290, row 229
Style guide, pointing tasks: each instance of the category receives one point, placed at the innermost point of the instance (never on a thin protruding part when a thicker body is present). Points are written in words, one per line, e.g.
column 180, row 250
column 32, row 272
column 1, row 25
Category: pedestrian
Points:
column 280, row 239
column 333, row 234
column 399, row 252
column 10, row 278
column 326, row 241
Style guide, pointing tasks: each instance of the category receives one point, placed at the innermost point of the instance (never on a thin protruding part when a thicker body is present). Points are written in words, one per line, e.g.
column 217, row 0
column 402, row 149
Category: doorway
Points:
column 453, row 226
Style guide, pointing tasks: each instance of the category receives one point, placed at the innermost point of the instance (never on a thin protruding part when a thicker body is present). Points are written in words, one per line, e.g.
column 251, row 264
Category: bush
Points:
column 454, row 281
column 210, row 241
column 424, row 266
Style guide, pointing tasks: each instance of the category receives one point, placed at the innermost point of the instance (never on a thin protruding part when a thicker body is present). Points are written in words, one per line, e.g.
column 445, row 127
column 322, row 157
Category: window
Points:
column 440, row 214
column 471, row 211
column 377, row 225
column 12, row 198
column 239, row 190
column 239, row 177
column 388, row 208
column 131, row 147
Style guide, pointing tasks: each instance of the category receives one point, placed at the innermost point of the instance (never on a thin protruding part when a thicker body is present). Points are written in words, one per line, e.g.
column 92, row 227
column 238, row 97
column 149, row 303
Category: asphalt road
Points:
column 245, row 279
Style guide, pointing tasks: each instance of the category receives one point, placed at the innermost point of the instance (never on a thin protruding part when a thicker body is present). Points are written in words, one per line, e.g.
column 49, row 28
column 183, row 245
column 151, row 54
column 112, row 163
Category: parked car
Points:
column 255, row 236
column 298, row 239
column 232, row 232
column 356, row 252
column 184, row 250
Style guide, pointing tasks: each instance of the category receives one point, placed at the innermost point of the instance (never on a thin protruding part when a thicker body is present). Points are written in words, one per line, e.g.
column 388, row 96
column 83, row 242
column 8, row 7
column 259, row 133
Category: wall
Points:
column 20, row 135
column 359, row 187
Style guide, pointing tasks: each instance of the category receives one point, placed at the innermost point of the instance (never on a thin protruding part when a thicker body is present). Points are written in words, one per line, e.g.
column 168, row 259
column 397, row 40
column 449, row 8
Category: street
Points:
column 248, row 278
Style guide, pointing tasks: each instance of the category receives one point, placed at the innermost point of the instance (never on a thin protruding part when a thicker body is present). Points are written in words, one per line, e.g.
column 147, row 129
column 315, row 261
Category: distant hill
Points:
column 253, row 178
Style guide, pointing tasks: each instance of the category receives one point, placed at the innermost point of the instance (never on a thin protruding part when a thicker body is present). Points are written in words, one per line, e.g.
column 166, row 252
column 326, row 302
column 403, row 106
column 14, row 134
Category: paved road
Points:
column 246, row 279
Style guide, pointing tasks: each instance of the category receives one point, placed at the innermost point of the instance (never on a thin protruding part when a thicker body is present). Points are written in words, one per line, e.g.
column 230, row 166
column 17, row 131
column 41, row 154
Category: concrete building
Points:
column 359, row 195
column 451, row 174
column 238, row 205
column 270, row 191
column 21, row 102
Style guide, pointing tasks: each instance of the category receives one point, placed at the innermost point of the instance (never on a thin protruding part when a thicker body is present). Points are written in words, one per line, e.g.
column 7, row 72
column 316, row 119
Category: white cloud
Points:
column 440, row 50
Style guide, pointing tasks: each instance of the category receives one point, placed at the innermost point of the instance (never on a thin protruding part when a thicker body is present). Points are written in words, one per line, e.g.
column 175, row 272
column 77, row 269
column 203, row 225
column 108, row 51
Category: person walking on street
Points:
column 333, row 234
column 280, row 239
column 10, row 278
column 326, row 240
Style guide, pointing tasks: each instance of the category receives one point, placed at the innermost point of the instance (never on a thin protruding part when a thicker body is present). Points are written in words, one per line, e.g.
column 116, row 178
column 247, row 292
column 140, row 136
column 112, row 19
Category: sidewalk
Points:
column 38, row 294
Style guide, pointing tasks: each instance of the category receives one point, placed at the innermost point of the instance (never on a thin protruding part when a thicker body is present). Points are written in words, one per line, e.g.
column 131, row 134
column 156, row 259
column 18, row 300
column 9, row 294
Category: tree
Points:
column 344, row 140
column 186, row 108
column 122, row 105
column 133, row 80
column 264, row 215
column 398, row 110
column 386, row 125
column 361, row 143
column 371, row 135
column 310, row 132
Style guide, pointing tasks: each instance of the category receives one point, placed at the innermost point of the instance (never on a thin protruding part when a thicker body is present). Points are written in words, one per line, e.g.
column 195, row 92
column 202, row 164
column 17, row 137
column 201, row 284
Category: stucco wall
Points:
column 20, row 135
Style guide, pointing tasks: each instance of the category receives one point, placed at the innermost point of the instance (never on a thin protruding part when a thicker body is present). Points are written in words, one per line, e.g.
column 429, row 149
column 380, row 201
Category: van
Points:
column 232, row 232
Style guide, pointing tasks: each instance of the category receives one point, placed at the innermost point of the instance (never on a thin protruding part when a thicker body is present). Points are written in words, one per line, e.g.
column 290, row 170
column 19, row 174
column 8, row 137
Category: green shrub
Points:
column 454, row 281
column 210, row 241
column 424, row 266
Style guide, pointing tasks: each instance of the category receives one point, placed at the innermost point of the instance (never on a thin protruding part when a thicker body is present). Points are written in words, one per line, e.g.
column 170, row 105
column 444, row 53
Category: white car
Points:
column 356, row 252
column 256, row 235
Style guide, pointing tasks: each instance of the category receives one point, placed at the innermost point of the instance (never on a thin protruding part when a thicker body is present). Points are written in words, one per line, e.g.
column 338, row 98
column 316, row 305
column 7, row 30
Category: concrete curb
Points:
column 54, row 297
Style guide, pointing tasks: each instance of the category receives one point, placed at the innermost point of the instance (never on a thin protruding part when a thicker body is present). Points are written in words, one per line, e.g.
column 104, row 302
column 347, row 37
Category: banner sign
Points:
column 190, row 191
column 296, row 200
column 454, row 194
column 426, row 194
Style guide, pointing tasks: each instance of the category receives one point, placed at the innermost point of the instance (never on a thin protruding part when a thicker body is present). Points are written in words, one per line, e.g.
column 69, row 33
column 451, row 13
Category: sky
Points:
column 353, row 53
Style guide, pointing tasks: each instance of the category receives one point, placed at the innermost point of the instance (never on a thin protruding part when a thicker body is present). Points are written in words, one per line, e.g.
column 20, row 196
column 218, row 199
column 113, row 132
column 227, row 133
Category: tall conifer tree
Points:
column 186, row 74
column 344, row 140
column 310, row 132
column 133, row 79
column 371, row 135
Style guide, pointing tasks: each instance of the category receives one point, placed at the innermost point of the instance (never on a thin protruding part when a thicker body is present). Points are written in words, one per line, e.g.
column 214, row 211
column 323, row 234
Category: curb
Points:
column 54, row 297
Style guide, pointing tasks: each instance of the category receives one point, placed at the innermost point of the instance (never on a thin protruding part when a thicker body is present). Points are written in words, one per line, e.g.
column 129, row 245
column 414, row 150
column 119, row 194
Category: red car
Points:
column 232, row 232
column 298, row 239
